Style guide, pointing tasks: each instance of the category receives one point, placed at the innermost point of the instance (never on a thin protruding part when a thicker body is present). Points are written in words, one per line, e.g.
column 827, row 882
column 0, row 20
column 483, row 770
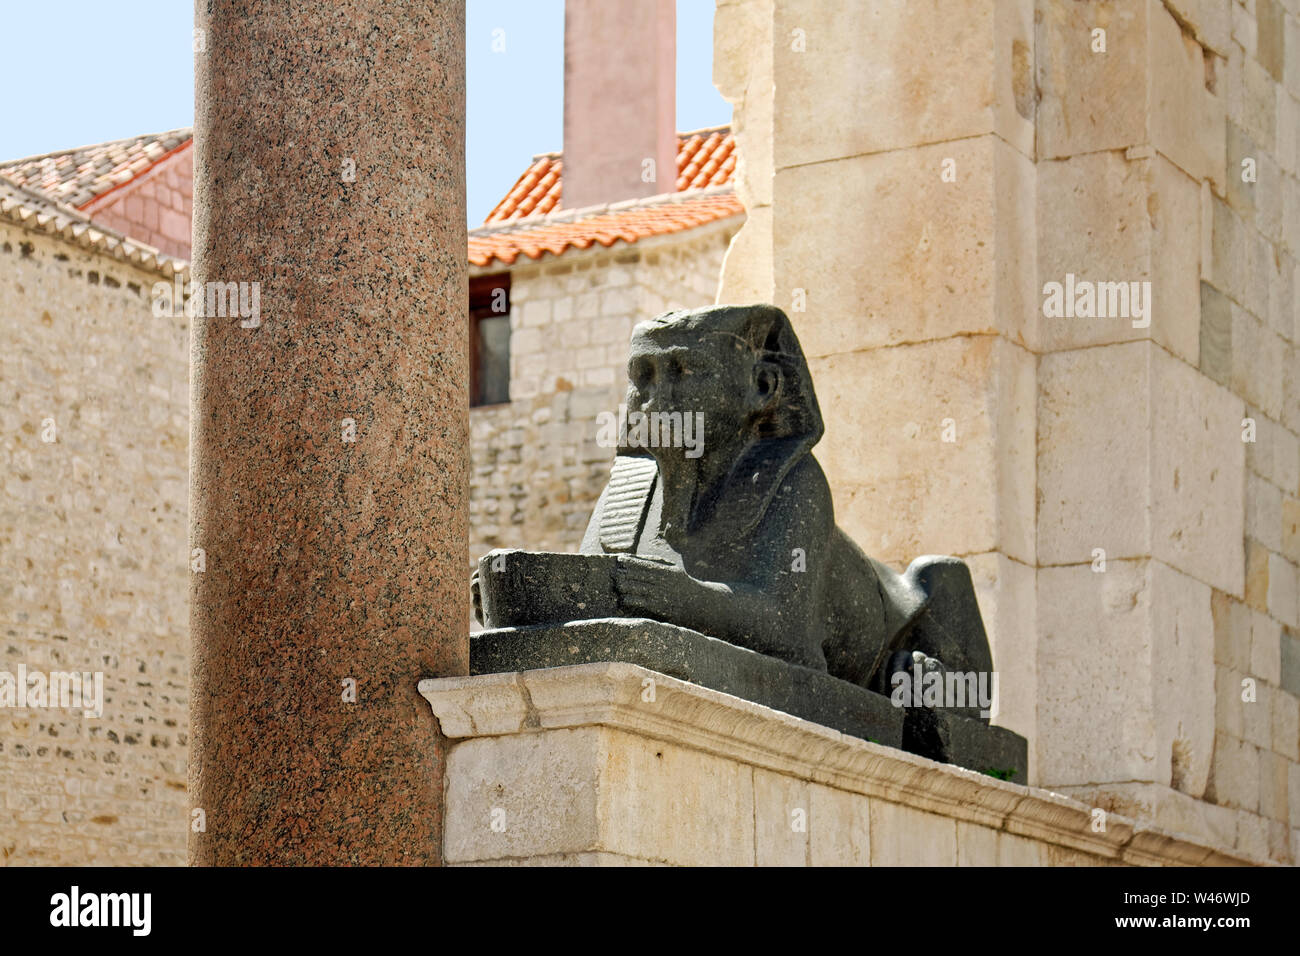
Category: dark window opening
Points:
column 489, row 339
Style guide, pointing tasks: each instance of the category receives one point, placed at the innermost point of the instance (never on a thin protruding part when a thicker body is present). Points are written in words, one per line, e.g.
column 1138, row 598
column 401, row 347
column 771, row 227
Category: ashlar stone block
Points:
column 1124, row 73
column 952, row 258
column 1131, row 220
column 885, row 60
column 965, row 441
column 902, row 836
column 1087, row 97
column 1156, row 467
column 1126, row 676
column 593, row 789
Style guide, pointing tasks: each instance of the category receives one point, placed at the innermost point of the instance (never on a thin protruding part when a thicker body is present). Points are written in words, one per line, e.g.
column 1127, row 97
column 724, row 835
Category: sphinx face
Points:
column 690, row 392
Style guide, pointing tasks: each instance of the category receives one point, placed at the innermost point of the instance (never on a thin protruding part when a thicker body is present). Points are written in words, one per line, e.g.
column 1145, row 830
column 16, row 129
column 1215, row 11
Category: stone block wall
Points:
column 537, row 467
column 1173, row 448
column 1250, row 344
column 94, row 563
column 1124, row 486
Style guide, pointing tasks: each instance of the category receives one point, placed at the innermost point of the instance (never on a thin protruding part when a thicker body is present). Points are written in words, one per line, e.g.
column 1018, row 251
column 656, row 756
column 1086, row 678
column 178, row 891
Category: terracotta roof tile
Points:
column 581, row 229
column 705, row 158
column 78, row 176
column 40, row 192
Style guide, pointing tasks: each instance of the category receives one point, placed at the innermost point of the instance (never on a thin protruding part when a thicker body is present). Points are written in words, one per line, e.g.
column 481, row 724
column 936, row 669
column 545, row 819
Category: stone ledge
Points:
column 644, row 704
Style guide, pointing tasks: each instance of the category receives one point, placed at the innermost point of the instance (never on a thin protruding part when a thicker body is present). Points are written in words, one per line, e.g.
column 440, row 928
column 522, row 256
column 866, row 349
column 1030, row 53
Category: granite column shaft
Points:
column 329, row 426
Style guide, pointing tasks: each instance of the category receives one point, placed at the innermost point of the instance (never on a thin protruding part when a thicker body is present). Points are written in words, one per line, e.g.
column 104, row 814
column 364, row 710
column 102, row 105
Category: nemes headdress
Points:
column 791, row 425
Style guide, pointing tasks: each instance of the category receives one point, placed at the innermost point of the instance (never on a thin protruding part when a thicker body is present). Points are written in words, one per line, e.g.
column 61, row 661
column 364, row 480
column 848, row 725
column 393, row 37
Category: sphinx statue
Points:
column 718, row 521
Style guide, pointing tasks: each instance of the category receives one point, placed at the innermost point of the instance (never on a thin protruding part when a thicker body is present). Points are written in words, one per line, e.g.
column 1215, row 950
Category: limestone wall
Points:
column 916, row 174
column 93, row 558
column 537, row 469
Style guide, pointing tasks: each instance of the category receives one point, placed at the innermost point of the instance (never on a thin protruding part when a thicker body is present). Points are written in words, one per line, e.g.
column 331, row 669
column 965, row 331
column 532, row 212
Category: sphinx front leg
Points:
column 656, row 590
column 736, row 613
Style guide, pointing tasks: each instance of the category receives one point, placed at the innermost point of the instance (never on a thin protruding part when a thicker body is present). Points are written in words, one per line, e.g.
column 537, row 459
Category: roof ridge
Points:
column 591, row 212
column 108, row 142
column 724, row 128
column 681, row 134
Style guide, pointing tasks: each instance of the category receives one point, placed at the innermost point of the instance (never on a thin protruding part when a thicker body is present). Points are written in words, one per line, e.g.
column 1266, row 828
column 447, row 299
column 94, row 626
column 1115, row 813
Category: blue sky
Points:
column 138, row 78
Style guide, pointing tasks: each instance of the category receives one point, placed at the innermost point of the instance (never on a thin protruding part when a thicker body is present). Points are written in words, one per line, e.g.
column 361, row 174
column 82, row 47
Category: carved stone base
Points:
column 789, row 688
column 580, row 768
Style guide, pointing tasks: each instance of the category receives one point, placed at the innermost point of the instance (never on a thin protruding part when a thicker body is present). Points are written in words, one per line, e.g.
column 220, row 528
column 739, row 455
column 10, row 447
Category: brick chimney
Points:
column 620, row 62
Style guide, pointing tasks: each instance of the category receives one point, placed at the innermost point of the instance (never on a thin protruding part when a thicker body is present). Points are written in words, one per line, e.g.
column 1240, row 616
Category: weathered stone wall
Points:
column 537, row 467
column 1140, row 443
column 1136, row 559
column 93, row 558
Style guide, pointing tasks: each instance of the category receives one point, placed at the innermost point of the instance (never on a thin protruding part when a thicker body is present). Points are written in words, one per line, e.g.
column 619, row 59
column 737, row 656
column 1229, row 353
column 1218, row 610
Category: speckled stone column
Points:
column 329, row 437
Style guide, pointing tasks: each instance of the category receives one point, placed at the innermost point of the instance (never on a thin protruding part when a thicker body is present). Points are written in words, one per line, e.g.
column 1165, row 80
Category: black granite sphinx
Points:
column 713, row 556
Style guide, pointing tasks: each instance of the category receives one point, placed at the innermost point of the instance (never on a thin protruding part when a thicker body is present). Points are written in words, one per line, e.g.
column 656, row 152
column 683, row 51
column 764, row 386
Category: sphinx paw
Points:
column 915, row 664
column 476, row 596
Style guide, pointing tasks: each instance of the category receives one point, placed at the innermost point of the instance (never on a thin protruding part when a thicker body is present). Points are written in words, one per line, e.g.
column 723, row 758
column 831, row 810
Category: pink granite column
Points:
column 329, row 432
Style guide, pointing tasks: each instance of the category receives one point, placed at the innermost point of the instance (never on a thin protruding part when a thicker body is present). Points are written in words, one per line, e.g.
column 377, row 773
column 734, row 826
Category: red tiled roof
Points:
column 629, row 222
column 705, row 157
column 77, row 176
column 525, row 221
column 528, row 220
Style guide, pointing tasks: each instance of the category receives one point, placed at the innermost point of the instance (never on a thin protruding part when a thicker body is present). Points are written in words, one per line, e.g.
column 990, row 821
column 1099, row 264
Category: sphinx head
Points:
column 737, row 372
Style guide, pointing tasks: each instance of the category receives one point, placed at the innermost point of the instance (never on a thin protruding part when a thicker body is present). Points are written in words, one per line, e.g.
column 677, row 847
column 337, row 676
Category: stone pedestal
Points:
column 329, row 430
column 690, row 656
column 612, row 764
